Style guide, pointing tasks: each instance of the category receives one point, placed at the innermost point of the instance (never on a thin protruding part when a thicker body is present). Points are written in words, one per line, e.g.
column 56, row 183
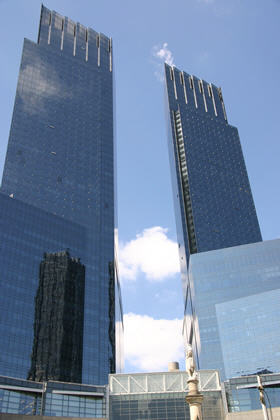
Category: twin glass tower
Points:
column 230, row 277
column 210, row 182
column 58, row 199
column 61, row 312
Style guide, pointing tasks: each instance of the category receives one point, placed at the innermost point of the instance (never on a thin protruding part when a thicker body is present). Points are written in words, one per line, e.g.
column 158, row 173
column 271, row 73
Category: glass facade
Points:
column 215, row 214
column 26, row 232
column 60, row 168
column 233, row 318
column 213, row 202
column 168, row 406
column 81, row 401
column 149, row 406
column 242, row 394
column 52, row 399
column 157, row 396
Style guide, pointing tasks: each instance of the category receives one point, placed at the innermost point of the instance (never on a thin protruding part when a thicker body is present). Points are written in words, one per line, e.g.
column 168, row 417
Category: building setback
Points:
column 232, row 309
column 60, row 162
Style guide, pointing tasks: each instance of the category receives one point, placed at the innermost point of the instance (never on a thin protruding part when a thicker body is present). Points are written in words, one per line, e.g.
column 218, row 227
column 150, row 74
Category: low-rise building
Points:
column 141, row 396
column 55, row 399
column 162, row 395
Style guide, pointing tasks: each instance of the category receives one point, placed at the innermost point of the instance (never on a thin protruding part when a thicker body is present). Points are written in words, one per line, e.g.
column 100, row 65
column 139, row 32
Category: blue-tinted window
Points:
column 236, row 303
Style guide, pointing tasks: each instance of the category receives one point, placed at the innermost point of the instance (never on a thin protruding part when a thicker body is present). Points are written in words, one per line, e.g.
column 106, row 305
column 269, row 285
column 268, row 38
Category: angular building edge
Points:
column 82, row 42
column 197, row 92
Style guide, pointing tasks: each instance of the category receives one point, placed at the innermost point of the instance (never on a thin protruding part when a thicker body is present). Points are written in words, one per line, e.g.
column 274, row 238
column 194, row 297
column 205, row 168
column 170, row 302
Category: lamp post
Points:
column 260, row 387
column 262, row 399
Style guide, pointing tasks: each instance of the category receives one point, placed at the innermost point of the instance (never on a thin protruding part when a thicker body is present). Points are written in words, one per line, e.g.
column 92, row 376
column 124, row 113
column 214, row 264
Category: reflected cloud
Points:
column 40, row 82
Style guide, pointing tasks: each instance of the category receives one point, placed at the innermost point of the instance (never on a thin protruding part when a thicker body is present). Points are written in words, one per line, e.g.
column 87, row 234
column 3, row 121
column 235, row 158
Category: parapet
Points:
column 73, row 38
column 196, row 93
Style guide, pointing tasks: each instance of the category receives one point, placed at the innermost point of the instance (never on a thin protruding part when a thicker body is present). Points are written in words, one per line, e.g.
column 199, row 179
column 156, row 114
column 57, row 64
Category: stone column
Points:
column 194, row 399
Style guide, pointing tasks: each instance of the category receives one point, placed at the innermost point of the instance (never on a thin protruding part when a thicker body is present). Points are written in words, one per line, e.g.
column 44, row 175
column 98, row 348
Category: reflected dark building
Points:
column 25, row 232
column 58, row 190
column 58, row 321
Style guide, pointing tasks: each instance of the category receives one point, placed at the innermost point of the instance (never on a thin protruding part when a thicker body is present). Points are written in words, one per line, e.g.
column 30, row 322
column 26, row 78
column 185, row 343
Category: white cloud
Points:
column 151, row 253
column 162, row 54
column 150, row 343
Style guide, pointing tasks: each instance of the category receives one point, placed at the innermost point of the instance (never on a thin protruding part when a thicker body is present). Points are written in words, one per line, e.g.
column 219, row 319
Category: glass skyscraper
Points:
column 57, row 191
column 212, row 195
column 230, row 277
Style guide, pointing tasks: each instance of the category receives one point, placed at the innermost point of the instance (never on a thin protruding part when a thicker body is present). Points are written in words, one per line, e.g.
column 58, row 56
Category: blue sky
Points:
column 231, row 43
